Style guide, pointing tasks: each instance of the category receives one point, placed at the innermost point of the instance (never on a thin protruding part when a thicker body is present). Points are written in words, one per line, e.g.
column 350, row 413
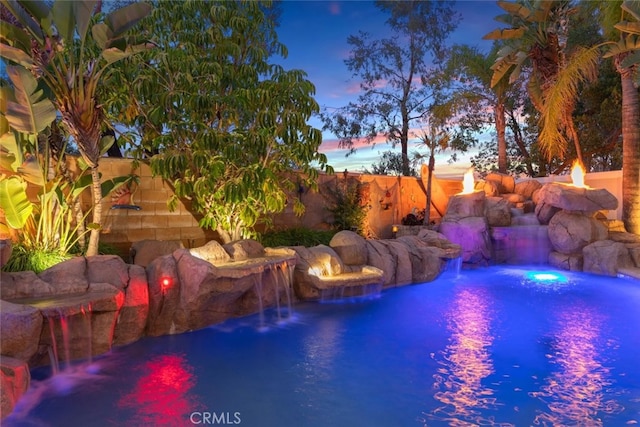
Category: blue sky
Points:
column 315, row 33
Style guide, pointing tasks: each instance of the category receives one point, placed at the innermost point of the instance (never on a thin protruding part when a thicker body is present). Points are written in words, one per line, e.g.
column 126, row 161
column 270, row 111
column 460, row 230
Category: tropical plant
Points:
column 348, row 205
column 625, row 52
column 482, row 102
column 538, row 33
column 69, row 46
column 32, row 154
column 224, row 125
column 399, row 76
column 46, row 227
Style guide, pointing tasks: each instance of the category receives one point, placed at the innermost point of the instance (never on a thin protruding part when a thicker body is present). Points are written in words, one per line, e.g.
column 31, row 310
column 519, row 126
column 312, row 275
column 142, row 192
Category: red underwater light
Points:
column 165, row 282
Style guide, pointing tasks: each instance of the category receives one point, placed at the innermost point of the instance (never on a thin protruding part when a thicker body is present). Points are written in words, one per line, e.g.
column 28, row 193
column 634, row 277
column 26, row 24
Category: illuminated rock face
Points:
column 529, row 223
column 472, row 234
column 357, row 266
column 569, row 232
column 465, row 205
column 571, row 198
column 187, row 292
column 465, row 224
column 105, row 297
column 14, row 382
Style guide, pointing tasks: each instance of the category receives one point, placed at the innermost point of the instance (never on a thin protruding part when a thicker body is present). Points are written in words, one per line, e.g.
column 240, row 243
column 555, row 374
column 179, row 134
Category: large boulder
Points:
column 164, row 293
column 132, row 318
column 527, row 188
column 145, row 251
column 426, row 261
column 20, row 331
column 14, row 382
column 350, row 246
column 572, row 262
column 319, row 274
column 82, row 324
column 108, row 269
column 571, row 198
column 212, row 252
column 544, row 212
column 67, row 277
column 400, row 254
column 498, row 212
column 570, row 232
column 244, row 249
column 23, row 284
column 465, row 205
column 472, row 234
column 490, row 188
column 187, row 293
column 379, row 256
column 505, row 183
column 606, row 257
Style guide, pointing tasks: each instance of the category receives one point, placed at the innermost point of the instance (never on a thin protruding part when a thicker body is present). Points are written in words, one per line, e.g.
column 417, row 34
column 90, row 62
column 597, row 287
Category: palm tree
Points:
column 538, row 35
column 625, row 51
column 476, row 67
column 55, row 44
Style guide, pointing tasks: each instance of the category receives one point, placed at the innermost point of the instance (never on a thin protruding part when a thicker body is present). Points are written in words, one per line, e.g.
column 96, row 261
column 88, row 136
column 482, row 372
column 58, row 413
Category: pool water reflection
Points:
column 493, row 346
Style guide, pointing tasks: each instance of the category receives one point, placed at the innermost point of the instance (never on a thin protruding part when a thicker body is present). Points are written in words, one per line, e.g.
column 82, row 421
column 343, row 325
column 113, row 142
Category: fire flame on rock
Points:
column 468, row 183
column 577, row 174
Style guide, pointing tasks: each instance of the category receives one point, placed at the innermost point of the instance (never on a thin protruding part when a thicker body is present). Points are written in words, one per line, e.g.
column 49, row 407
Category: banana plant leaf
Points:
column 14, row 202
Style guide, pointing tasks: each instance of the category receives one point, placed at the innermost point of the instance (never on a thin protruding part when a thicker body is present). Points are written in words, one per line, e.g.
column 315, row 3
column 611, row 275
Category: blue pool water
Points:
column 495, row 346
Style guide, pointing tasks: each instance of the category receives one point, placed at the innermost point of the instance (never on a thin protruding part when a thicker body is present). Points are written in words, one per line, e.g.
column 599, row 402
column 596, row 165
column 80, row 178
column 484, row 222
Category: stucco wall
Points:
column 154, row 220
column 388, row 200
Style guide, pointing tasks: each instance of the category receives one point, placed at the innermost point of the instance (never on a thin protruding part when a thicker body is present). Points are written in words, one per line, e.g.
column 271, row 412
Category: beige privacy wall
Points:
column 154, row 220
column 387, row 200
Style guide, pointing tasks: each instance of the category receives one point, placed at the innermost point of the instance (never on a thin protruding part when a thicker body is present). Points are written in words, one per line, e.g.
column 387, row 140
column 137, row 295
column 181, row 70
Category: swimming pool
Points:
column 494, row 346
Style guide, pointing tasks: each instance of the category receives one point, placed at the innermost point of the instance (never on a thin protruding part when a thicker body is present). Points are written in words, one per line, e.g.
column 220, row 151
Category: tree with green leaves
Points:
column 399, row 75
column 538, row 34
column 69, row 46
column 482, row 103
column 223, row 124
column 622, row 26
column 390, row 163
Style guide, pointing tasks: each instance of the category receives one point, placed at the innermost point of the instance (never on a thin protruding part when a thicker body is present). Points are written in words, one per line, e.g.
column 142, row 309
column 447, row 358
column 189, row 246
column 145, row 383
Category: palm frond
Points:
column 628, row 27
column 510, row 62
column 516, row 9
column 505, row 34
column 632, row 7
column 560, row 97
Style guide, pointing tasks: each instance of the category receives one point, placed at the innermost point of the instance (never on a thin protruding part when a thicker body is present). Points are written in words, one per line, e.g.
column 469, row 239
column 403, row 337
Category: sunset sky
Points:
column 315, row 33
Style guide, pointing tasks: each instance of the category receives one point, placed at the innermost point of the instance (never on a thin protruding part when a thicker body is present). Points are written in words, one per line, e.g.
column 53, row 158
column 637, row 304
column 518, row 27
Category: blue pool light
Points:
column 546, row 277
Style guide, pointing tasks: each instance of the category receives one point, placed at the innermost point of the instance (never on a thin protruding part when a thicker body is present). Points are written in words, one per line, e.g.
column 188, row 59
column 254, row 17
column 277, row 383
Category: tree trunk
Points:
column 224, row 235
column 517, row 136
column 404, row 143
column 630, row 152
column 95, row 226
column 502, row 142
column 571, row 128
column 427, row 210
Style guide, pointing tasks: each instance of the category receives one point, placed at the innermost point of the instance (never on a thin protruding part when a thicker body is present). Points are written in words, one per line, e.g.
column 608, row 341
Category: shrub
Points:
column 297, row 237
column 36, row 260
column 349, row 206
